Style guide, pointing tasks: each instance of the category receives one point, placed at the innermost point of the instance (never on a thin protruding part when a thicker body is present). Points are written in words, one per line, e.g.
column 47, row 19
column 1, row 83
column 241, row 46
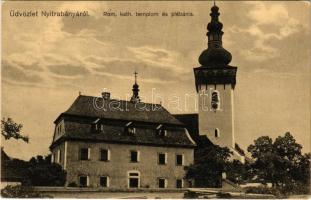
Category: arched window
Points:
column 215, row 101
column 217, row 134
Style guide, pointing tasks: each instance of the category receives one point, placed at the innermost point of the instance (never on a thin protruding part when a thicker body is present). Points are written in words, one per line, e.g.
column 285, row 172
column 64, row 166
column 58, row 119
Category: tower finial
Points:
column 135, row 73
column 215, row 55
column 135, row 97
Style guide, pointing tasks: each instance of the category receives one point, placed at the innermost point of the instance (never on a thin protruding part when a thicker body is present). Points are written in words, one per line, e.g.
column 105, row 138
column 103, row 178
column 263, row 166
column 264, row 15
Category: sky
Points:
column 46, row 62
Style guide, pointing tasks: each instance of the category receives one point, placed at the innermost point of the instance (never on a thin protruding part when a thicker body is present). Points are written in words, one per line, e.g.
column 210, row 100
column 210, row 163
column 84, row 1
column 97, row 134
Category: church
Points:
column 110, row 143
column 215, row 81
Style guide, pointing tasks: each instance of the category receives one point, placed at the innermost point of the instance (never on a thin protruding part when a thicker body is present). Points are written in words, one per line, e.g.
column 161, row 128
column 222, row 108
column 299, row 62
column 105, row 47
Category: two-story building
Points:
column 104, row 142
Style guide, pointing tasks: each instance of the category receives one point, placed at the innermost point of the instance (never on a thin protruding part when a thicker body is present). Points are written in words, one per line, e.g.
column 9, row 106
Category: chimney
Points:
column 106, row 95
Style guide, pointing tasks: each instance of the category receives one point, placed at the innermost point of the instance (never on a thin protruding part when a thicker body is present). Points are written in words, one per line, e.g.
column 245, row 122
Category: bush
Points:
column 72, row 184
column 19, row 191
column 224, row 196
column 295, row 188
column 190, row 195
column 43, row 173
column 263, row 190
column 283, row 192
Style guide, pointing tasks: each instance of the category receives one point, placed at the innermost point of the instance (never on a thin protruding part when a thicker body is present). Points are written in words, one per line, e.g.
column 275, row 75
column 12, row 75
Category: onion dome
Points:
column 215, row 55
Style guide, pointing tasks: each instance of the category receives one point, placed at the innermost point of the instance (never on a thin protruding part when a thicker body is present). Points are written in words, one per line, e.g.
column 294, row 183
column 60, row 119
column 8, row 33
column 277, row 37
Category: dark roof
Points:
column 80, row 119
column 191, row 122
column 4, row 156
column 116, row 133
column 239, row 149
column 118, row 109
column 10, row 169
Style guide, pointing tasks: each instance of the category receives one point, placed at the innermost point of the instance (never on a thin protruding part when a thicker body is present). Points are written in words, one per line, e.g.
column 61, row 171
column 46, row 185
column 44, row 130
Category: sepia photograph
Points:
column 155, row 99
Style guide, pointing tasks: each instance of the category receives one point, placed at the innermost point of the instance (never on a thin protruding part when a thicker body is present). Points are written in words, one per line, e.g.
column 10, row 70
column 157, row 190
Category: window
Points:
column 179, row 183
column 179, row 159
column 217, row 134
column 162, row 158
column 162, row 183
column 133, row 179
column 215, row 100
column 190, row 183
column 85, row 153
column 131, row 130
column 134, row 156
column 104, row 181
column 162, row 132
column 83, row 181
column 104, row 155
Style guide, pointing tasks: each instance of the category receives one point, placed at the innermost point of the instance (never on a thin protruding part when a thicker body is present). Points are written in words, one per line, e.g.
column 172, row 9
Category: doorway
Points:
column 133, row 179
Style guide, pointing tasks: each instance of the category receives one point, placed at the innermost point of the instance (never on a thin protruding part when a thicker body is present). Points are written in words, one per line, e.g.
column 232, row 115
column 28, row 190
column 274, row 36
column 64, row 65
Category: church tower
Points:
column 215, row 80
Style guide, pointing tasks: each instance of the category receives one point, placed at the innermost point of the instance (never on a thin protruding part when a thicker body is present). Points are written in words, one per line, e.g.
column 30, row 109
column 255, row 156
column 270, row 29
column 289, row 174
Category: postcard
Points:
column 155, row 99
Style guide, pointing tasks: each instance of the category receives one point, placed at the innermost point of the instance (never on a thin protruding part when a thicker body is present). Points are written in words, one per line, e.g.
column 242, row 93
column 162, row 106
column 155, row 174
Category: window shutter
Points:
column 138, row 156
column 88, row 153
column 165, row 158
column 58, row 156
column 108, row 152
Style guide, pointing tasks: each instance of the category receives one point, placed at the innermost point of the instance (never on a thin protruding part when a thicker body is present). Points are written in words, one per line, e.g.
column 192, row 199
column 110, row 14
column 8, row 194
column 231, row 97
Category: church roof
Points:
column 90, row 106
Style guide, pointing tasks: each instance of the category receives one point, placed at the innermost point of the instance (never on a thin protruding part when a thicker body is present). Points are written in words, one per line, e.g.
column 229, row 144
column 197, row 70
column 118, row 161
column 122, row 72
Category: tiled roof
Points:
column 80, row 119
column 89, row 106
column 117, row 134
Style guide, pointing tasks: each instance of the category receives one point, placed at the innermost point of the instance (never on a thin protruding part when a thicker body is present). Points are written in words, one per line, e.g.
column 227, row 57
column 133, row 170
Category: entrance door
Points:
column 133, row 179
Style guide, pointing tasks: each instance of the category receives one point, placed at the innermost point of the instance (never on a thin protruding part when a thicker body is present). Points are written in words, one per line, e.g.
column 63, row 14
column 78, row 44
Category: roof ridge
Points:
column 185, row 114
column 120, row 100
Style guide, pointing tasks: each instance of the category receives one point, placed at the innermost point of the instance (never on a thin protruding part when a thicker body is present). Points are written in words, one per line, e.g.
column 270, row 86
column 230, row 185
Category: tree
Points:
column 280, row 162
column 238, row 172
column 265, row 159
column 41, row 172
column 10, row 129
column 210, row 163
